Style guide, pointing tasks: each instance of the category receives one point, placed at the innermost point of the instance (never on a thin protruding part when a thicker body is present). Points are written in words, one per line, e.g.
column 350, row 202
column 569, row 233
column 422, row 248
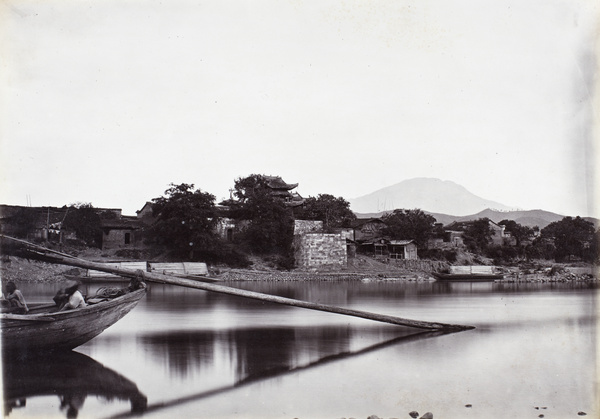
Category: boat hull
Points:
column 467, row 277
column 66, row 329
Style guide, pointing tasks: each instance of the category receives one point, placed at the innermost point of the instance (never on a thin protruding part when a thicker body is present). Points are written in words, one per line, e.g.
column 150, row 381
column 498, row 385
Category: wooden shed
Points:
column 402, row 249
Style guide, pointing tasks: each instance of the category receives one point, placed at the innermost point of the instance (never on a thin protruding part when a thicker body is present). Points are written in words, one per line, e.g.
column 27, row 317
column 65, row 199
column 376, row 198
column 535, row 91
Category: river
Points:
column 196, row 354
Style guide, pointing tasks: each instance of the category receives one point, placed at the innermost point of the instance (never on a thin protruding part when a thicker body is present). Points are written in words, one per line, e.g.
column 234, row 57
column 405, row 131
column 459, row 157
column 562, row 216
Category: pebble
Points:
column 581, row 413
column 427, row 415
column 414, row 414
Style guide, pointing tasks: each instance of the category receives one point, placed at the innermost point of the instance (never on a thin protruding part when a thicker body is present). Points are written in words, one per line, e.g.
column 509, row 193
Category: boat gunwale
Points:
column 467, row 277
column 78, row 312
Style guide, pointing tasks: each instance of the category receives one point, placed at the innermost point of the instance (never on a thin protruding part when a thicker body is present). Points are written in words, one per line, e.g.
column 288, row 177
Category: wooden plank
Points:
column 463, row 270
column 482, row 269
column 123, row 265
column 167, row 267
column 195, row 268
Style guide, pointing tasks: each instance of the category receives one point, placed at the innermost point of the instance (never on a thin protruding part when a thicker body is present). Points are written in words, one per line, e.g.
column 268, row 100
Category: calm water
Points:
column 190, row 353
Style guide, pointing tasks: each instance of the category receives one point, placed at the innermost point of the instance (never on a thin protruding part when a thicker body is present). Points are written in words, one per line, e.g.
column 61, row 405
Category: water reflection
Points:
column 71, row 376
column 189, row 351
column 261, row 365
column 250, row 351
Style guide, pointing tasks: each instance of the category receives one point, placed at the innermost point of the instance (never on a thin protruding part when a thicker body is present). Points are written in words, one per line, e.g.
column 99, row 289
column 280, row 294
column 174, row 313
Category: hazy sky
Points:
column 109, row 102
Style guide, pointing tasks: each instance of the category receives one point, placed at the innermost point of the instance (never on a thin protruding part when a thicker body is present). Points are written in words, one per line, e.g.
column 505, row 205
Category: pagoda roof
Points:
column 275, row 182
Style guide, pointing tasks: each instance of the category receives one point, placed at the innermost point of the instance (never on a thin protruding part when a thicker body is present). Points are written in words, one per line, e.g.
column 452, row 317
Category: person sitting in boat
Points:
column 14, row 299
column 69, row 297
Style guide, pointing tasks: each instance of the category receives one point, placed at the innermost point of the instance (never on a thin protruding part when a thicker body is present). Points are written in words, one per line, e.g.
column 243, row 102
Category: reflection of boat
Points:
column 469, row 273
column 45, row 328
column 69, row 375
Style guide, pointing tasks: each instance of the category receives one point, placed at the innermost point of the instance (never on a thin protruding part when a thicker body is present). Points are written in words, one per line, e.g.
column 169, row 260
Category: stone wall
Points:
column 307, row 226
column 318, row 249
column 118, row 239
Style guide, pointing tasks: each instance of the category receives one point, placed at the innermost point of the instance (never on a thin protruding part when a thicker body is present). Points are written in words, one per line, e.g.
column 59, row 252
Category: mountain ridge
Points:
column 528, row 218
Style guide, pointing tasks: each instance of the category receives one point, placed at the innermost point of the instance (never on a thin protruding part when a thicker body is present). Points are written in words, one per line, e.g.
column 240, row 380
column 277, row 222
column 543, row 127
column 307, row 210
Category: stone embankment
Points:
column 555, row 273
column 429, row 415
column 256, row 275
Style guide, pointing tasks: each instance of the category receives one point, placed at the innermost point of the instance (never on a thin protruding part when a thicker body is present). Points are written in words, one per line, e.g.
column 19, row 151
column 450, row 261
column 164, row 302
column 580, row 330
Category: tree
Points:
column 572, row 237
column 478, row 235
column 23, row 222
column 185, row 222
column 334, row 212
column 268, row 222
column 518, row 231
column 409, row 224
column 83, row 219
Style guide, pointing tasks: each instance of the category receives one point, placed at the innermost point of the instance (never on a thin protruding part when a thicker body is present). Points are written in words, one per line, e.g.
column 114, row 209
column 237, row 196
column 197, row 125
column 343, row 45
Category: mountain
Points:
column 427, row 194
column 530, row 218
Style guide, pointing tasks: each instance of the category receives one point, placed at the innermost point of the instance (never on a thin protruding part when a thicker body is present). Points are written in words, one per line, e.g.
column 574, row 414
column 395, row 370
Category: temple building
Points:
column 282, row 190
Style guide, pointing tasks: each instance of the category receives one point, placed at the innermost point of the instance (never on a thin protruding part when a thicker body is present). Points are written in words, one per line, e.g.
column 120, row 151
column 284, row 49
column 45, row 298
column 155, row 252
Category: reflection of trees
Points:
column 251, row 351
column 183, row 351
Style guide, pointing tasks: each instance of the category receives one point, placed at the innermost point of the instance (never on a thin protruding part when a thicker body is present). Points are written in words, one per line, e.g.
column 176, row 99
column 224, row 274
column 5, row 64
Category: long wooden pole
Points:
column 64, row 259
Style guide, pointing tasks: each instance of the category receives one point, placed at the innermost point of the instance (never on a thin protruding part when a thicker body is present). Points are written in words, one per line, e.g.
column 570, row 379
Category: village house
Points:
column 367, row 229
column 454, row 232
column 145, row 214
column 121, row 232
column 369, row 239
column 32, row 222
column 402, row 249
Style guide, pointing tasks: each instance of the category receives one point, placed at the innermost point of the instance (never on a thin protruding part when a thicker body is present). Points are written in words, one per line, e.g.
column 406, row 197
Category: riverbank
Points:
column 360, row 268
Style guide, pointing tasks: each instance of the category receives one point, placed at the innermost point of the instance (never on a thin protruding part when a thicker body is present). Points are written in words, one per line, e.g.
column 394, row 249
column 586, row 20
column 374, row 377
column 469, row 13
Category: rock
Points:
column 581, row 413
column 468, row 405
column 414, row 414
column 427, row 415
column 373, row 417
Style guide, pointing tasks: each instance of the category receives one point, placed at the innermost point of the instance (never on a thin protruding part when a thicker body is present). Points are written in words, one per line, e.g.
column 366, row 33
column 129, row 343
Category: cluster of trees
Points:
column 80, row 218
column 409, row 224
column 564, row 240
column 186, row 220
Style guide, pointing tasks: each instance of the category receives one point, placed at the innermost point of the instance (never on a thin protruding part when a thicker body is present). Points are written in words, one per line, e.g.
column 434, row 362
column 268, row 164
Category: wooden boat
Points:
column 43, row 328
column 71, row 376
column 472, row 277
column 469, row 273
column 197, row 271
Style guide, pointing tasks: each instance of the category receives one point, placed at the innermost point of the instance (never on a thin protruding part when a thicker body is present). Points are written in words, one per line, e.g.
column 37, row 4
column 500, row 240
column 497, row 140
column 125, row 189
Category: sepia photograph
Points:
column 299, row 209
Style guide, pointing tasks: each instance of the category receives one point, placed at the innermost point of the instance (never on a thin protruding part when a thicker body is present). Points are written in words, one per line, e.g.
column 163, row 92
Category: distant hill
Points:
column 428, row 194
column 530, row 218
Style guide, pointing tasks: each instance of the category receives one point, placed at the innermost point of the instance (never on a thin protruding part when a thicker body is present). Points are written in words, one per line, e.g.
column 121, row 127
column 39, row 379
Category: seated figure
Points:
column 69, row 297
column 14, row 300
